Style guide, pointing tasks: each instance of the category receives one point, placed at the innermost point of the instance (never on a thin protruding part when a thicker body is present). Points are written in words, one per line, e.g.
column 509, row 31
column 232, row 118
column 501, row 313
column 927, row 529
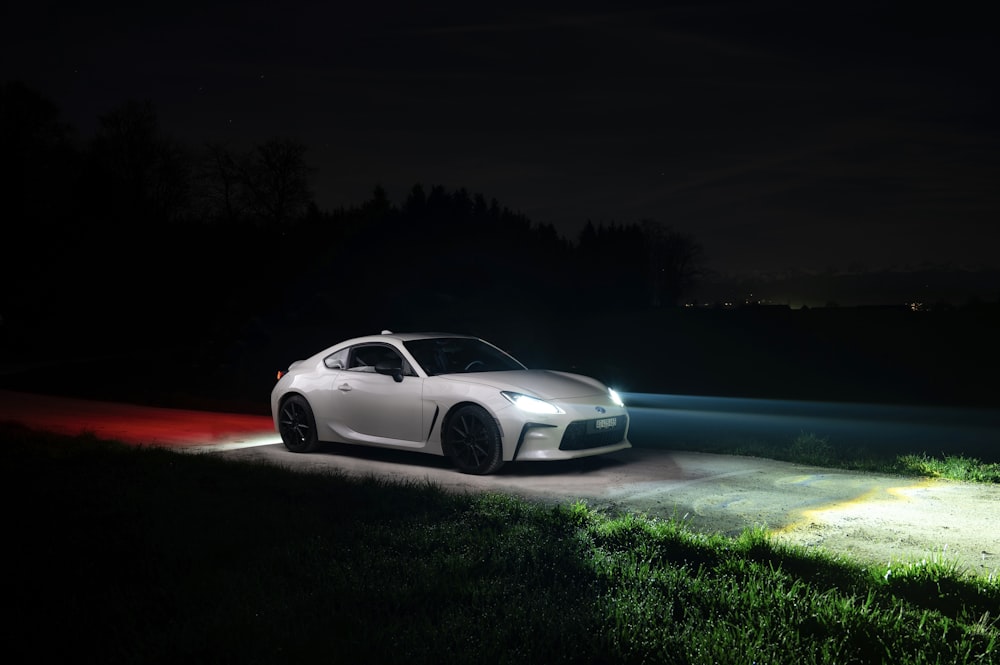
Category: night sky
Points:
column 780, row 135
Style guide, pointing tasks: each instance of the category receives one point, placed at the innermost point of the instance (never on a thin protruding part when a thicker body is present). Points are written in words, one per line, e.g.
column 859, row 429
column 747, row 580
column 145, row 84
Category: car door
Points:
column 367, row 407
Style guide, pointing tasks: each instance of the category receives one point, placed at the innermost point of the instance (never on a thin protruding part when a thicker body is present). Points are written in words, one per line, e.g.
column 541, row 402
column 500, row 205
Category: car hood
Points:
column 542, row 383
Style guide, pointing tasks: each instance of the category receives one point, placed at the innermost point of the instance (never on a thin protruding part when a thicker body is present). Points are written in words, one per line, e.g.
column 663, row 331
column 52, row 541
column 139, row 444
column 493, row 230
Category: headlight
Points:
column 531, row 404
column 615, row 397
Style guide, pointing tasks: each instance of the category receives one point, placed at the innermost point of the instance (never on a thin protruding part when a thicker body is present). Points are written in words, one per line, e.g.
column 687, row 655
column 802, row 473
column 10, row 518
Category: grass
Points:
column 810, row 448
column 955, row 467
column 132, row 555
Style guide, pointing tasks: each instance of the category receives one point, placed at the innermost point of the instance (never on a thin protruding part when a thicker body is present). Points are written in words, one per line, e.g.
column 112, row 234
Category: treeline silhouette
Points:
column 204, row 269
column 134, row 229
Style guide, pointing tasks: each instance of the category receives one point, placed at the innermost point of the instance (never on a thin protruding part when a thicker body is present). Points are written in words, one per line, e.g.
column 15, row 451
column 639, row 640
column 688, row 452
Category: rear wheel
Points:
column 297, row 425
column 472, row 441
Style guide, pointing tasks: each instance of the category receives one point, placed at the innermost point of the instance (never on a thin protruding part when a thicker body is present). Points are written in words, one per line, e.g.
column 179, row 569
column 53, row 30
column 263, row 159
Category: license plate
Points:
column 605, row 423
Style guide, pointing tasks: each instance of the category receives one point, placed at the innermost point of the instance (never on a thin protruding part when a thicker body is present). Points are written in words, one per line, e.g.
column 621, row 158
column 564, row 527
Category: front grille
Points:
column 584, row 434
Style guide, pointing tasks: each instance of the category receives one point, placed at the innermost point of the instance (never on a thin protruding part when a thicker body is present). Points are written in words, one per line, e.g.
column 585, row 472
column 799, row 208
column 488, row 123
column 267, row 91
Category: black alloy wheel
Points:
column 297, row 425
column 472, row 441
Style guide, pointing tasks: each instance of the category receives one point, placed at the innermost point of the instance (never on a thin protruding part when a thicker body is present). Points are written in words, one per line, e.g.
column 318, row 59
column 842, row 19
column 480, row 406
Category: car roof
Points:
column 403, row 337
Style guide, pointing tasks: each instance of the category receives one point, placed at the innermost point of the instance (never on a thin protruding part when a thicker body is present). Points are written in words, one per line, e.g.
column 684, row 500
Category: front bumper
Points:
column 578, row 438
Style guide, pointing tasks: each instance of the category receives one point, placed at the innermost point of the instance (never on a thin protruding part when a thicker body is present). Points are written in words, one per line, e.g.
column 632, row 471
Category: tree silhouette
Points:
column 220, row 191
column 442, row 252
column 610, row 263
column 416, row 201
column 276, row 180
column 379, row 205
column 144, row 176
column 268, row 184
column 36, row 154
column 638, row 264
column 39, row 167
column 676, row 262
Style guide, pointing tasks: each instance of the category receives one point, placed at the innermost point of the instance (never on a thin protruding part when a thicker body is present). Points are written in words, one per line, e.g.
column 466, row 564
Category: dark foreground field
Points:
column 137, row 555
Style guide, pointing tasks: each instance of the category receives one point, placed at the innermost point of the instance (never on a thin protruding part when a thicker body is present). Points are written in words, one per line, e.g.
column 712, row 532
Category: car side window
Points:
column 363, row 358
column 336, row 360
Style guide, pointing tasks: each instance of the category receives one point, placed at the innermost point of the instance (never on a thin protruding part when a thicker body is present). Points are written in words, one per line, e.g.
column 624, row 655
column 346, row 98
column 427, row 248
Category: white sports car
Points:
column 445, row 394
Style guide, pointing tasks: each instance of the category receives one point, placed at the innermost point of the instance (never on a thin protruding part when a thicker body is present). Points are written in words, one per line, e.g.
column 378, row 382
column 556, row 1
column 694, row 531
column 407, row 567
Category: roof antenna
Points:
column 386, row 332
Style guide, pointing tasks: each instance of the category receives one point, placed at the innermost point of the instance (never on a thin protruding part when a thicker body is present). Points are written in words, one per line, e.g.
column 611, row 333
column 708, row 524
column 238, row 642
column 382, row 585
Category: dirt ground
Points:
column 867, row 518
column 939, row 520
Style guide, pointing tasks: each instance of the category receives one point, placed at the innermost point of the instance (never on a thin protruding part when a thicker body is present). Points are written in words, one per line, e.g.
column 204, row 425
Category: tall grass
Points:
column 124, row 555
column 955, row 467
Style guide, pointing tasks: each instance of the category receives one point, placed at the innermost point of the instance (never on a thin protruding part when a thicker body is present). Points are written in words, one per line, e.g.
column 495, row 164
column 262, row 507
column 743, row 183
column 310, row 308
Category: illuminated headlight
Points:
column 615, row 397
column 531, row 404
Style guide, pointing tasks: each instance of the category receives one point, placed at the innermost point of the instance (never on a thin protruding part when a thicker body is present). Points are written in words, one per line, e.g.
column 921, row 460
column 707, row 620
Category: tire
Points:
column 297, row 425
column 472, row 440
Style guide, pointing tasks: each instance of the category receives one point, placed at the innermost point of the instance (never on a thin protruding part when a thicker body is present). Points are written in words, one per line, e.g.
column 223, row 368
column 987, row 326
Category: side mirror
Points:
column 391, row 368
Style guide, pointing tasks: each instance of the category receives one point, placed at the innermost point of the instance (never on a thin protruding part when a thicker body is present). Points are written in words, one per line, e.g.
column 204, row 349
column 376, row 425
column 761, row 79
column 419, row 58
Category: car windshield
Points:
column 456, row 355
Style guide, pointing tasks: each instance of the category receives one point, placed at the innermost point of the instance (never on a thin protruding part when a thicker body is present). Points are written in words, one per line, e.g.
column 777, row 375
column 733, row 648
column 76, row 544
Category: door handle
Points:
column 345, row 387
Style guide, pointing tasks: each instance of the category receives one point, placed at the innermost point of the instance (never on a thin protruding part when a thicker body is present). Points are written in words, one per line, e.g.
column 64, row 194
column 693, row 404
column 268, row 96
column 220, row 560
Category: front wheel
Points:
column 297, row 425
column 472, row 441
